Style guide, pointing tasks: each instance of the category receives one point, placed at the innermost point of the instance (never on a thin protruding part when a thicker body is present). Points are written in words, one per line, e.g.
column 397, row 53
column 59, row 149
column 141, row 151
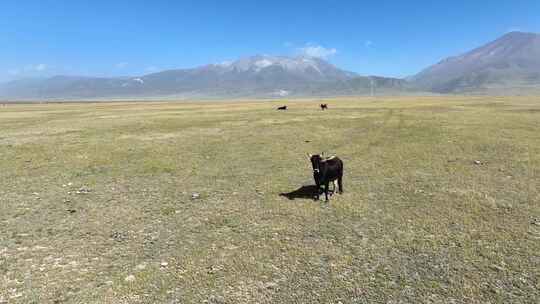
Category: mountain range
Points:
column 260, row 75
column 508, row 64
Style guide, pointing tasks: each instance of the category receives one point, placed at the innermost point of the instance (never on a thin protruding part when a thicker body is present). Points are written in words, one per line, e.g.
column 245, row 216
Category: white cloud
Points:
column 29, row 70
column 121, row 65
column 41, row 67
column 151, row 69
column 35, row 67
column 368, row 43
column 317, row 51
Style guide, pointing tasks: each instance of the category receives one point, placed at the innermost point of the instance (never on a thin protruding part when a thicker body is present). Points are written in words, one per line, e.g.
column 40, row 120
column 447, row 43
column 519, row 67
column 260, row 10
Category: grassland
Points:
column 441, row 202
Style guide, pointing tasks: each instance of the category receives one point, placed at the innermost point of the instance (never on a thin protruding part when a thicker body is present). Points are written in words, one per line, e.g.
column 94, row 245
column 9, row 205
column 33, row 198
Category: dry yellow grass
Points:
column 419, row 222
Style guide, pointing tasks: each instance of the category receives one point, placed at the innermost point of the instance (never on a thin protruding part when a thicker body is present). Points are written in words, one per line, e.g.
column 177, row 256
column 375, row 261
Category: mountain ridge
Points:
column 259, row 75
column 511, row 60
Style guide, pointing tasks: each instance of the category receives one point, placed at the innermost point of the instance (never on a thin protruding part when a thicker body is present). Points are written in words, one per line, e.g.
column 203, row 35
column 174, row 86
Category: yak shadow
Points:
column 304, row 192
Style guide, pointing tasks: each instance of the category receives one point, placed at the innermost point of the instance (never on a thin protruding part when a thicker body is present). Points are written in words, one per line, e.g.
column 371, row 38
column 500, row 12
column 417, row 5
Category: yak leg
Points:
column 340, row 183
column 326, row 190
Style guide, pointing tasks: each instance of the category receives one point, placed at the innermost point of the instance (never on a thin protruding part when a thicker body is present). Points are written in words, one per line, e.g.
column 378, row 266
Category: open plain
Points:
column 205, row 202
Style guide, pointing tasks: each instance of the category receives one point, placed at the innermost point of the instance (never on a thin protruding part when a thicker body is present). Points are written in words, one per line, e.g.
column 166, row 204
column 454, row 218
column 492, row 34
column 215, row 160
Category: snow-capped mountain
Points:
column 308, row 67
column 260, row 75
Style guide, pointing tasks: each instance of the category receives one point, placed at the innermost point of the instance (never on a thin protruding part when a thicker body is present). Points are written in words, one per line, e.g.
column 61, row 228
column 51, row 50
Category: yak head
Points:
column 316, row 161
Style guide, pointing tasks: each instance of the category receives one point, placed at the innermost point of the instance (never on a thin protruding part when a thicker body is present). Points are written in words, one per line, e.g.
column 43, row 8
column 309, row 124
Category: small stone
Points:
column 119, row 236
column 164, row 264
column 195, row 195
column 141, row 266
column 15, row 294
column 83, row 190
column 477, row 162
column 271, row 285
column 130, row 278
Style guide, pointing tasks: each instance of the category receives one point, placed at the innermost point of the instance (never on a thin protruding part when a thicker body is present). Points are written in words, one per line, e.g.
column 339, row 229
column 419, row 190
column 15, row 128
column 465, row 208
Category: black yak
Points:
column 326, row 170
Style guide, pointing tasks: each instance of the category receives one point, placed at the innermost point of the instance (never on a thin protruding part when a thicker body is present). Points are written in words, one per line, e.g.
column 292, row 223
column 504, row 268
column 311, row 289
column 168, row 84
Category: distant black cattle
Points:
column 324, row 106
column 326, row 170
column 283, row 108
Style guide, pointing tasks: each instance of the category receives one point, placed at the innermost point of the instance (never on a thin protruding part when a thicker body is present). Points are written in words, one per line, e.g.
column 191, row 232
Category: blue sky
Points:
column 113, row 38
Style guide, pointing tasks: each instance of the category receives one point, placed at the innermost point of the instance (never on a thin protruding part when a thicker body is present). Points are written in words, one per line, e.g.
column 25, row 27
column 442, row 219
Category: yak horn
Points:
column 328, row 158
